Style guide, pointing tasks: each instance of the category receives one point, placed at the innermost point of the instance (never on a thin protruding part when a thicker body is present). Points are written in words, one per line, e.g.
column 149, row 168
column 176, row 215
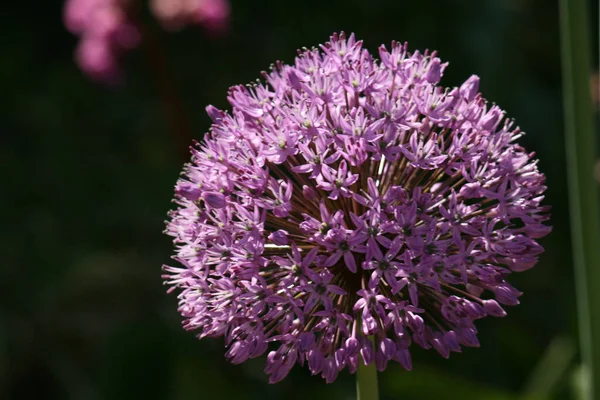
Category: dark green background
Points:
column 88, row 173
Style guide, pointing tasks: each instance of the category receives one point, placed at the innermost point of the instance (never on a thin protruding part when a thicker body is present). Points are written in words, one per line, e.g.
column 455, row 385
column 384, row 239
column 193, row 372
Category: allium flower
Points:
column 351, row 207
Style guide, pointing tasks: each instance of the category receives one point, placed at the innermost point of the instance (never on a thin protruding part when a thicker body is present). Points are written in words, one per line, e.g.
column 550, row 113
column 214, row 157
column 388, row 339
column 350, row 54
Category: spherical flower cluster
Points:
column 349, row 208
column 106, row 33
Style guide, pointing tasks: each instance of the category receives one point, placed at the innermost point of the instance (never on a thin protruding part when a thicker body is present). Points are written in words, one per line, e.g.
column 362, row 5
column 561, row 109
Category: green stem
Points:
column 366, row 382
column 583, row 196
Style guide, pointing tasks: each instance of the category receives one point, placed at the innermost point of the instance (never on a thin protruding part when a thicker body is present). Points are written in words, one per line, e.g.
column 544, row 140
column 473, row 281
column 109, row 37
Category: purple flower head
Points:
column 350, row 207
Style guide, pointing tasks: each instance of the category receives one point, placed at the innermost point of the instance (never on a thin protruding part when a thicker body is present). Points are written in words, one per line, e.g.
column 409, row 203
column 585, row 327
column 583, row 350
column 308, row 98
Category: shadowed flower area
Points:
column 350, row 207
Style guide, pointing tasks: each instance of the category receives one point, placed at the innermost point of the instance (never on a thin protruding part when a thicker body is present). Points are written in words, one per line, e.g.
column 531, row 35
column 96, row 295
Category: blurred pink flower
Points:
column 175, row 14
column 105, row 31
column 94, row 56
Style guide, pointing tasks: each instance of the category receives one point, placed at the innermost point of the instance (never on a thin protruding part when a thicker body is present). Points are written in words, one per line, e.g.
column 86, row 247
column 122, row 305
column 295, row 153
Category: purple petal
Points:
column 214, row 199
column 350, row 261
column 336, row 289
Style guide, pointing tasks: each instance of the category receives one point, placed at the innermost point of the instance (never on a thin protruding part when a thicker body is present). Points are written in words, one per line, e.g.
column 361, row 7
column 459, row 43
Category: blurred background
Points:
column 89, row 165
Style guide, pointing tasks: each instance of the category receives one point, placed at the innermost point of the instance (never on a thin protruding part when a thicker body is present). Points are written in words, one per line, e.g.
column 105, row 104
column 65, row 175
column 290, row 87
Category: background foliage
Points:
column 87, row 178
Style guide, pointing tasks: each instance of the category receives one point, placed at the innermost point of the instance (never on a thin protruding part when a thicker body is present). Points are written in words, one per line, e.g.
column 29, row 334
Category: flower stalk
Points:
column 366, row 382
column 583, row 196
column 173, row 107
